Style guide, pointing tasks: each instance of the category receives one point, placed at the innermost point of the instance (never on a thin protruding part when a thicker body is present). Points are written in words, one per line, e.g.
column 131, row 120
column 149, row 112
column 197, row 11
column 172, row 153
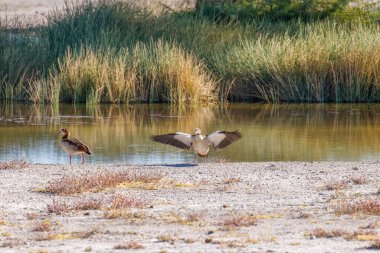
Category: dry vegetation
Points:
column 375, row 245
column 129, row 245
column 365, row 206
column 120, row 201
column 183, row 219
column 336, row 185
column 359, row 180
column 167, row 238
column 115, row 202
column 70, row 235
column 357, row 235
column 98, row 181
column 42, row 226
column 14, row 164
column 322, row 233
column 83, row 204
column 239, row 221
column 231, row 180
column 119, row 208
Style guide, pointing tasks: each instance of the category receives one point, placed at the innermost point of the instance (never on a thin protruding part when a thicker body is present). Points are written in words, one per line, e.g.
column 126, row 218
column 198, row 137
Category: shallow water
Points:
column 120, row 134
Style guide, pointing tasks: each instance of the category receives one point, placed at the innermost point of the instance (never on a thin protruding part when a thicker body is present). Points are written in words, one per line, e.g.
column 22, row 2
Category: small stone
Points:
column 208, row 240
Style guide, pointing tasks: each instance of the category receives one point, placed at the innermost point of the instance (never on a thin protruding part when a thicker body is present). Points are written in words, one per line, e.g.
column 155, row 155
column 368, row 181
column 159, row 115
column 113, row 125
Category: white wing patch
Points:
column 183, row 137
column 221, row 139
column 216, row 138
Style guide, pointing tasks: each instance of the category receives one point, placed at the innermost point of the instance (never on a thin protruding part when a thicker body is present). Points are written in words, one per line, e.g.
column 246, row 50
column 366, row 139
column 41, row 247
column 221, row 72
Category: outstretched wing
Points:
column 221, row 139
column 179, row 140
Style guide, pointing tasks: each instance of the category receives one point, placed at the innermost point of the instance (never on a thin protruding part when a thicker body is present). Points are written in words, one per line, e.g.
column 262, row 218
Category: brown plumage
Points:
column 73, row 146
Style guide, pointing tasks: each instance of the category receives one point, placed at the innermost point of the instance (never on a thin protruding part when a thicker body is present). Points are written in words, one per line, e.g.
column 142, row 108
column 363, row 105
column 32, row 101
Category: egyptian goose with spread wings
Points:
column 200, row 143
column 73, row 146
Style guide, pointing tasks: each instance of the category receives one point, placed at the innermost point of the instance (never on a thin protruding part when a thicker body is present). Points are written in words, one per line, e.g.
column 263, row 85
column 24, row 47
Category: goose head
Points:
column 64, row 131
column 197, row 131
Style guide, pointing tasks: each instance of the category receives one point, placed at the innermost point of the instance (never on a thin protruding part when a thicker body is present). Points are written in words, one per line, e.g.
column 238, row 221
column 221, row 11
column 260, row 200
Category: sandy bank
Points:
column 224, row 207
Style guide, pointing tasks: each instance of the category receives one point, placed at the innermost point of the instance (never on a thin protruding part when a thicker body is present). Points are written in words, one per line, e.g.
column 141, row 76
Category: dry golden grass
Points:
column 63, row 236
column 42, row 226
column 130, row 216
column 119, row 208
column 58, row 207
column 83, row 204
column 183, row 219
column 322, row 233
column 357, row 235
column 129, row 245
column 120, row 201
column 88, row 204
column 365, row 206
column 167, row 238
column 239, row 221
column 187, row 240
column 98, row 181
column 115, row 202
column 154, row 71
column 362, row 236
column 10, row 243
column 358, row 180
column 336, row 185
column 32, row 216
column 14, row 164
column 231, row 180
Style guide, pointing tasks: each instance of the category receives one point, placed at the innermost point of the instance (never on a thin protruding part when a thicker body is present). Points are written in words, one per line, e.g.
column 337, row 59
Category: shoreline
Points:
column 214, row 207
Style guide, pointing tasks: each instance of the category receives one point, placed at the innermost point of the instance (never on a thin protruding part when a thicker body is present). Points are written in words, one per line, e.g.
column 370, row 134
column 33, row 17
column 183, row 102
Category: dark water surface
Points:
column 120, row 134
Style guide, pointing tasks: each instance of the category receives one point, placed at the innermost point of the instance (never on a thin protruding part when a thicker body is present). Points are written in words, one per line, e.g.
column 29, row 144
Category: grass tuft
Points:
column 231, row 180
column 97, row 182
column 14, row 164
column 365, row 206
column 167, row 238
column 375, row 245
column 239, row 221
column 322, row 233
column 359, row 180
column 129, row 245
column 82, row 204
column 336, row 185
column 42, row 226
column 122, row 202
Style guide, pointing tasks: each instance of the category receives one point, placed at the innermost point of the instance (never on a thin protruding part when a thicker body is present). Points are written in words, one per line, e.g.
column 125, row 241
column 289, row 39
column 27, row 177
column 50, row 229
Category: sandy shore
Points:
column 221, row 207
column 36, row 10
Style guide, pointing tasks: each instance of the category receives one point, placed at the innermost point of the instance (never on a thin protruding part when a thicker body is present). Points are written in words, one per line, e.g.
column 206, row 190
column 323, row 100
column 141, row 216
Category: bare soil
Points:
column 215, row 207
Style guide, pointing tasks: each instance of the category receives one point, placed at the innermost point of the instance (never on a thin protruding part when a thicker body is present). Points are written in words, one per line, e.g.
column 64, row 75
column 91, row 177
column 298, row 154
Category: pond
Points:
column 120, row 133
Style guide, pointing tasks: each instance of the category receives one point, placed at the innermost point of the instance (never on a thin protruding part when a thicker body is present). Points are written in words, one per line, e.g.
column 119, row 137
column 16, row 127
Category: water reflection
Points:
column 121, row 133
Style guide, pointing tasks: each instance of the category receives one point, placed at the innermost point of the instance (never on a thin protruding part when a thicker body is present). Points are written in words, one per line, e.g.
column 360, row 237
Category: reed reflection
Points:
column 120, row 133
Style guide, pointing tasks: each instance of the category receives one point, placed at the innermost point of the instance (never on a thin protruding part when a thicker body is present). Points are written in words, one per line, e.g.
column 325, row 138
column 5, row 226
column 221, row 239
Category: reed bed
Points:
column 111, row 52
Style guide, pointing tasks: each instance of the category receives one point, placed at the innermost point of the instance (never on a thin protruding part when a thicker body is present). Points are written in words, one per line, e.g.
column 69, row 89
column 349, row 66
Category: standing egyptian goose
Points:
column 73, row 146
column 200, row 143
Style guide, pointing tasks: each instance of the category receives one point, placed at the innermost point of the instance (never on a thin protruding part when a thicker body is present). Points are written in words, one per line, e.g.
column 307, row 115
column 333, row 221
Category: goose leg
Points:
column 70, row 158
column 206, row 158
column 195, row 157
column 82, row 158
